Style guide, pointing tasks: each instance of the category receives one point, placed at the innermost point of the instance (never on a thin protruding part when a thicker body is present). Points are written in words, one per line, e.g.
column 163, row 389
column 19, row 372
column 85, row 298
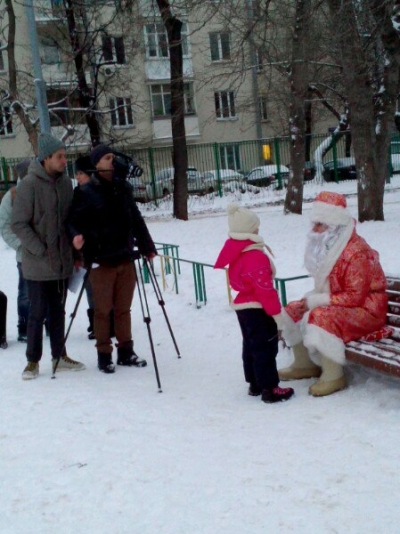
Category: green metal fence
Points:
column 240, row 157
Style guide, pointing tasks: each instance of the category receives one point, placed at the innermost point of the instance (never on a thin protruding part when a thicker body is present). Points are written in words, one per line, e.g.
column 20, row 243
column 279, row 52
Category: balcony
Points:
column 162, row 130
column 47, row 11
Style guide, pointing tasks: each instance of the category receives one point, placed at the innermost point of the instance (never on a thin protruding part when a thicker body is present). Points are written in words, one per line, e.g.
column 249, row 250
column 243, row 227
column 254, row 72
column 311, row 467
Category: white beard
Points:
column 318, row 247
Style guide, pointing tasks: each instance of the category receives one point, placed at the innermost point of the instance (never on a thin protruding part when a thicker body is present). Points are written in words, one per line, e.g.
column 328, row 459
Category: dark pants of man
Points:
column 22, row 302
column 47, row 301
column 260, row 347
column 113, row 288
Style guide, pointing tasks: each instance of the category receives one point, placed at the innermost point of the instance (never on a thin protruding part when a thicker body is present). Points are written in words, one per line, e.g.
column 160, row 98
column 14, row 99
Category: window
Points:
column 49, row 51
column 229, row 156
column 225, row 104
column 2, row 66
column 5, row 121
column 259, row 60
column 157, row 40
column 64, row 107
column 161, row 99
column 121, row 111
column 114, row 49
column 220, row 46
column 262, row 102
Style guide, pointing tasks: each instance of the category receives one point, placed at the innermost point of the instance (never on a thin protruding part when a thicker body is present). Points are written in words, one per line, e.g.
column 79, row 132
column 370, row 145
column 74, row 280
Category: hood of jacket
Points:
column 231, row 251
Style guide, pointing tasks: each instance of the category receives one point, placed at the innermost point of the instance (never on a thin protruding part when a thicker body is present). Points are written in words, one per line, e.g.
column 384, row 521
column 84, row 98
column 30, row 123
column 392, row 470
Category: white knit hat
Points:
column 242, row 220
column 330, row 208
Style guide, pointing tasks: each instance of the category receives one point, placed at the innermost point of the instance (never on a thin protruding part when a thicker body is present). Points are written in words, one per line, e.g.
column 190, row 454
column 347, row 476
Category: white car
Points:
column 228, row 178
column 266, row 175
column 163, row 184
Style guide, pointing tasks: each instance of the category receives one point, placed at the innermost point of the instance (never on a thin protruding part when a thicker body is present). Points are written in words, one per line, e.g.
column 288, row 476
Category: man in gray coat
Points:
column 38, row 219
column 12, row 241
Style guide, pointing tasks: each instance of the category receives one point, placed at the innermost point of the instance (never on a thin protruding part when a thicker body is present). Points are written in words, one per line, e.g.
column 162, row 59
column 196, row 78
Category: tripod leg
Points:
column 73, row 314
column 161, row 302
column 146, row 318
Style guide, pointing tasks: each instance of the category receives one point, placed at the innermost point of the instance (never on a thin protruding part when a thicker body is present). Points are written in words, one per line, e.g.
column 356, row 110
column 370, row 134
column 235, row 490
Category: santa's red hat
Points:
column 330, row 208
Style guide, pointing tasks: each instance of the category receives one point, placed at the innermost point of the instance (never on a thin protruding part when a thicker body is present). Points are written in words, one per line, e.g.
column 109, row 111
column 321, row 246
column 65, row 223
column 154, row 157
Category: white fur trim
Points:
column 330, row 346
column 244, row 236
column 246, row 305
column 278, row 319
column 290, row 330
column 330, row 214
column 318, row 299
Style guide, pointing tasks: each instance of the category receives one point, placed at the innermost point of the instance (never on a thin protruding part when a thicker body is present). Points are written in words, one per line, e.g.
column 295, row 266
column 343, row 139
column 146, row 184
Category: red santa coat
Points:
column 356, row 303
column 251, row 274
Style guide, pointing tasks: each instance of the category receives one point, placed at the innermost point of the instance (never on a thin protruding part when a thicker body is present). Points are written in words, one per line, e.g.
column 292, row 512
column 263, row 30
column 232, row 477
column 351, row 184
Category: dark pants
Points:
column 260, row 347
column 113, row 288
column 47, row 300
column 22, row 302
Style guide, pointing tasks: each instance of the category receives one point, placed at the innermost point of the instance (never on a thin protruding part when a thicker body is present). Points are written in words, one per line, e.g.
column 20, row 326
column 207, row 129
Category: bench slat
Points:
column 382, row 355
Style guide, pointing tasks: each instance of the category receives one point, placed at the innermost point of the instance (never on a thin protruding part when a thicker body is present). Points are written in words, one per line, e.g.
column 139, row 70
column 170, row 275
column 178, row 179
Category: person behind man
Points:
column 12, row 241
column 38, row 219
column 83, row 171
column 106, row 222
column 348, row 301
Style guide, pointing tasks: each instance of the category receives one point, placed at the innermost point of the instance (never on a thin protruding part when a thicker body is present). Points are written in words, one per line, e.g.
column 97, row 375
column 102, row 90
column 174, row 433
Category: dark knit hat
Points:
column 84, row 164
column 98, row 152
column 47, row 145
column 22, row 168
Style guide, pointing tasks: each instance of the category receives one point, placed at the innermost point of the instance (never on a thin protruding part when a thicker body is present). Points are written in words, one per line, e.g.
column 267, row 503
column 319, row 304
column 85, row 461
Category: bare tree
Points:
column 180, row 160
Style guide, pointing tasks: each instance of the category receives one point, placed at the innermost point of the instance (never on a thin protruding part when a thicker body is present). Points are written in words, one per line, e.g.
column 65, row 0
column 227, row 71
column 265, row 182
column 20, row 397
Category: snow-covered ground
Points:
column 95, row 453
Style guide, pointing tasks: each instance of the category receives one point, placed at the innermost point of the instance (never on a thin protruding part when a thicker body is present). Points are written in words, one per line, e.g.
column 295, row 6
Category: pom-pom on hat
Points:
column 84, row 164
column 330, row 208
column 98, row 152
column 242, row 220
column 47, row 145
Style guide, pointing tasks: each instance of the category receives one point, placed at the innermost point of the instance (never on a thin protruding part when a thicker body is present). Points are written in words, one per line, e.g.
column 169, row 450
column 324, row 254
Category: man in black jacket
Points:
column 105, row 223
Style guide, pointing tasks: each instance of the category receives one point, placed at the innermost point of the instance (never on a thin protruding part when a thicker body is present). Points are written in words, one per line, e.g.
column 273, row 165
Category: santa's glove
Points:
column 318, row 299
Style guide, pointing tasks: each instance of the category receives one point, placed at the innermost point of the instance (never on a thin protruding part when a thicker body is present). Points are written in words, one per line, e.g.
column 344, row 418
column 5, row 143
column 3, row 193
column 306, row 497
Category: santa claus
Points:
column 348, row 301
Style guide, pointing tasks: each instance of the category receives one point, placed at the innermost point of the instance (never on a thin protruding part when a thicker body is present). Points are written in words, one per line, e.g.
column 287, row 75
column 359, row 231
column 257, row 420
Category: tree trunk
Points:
column 371, row 113
column 13, row 96
column 299, row 89
column 86, row 99
column 179, row 156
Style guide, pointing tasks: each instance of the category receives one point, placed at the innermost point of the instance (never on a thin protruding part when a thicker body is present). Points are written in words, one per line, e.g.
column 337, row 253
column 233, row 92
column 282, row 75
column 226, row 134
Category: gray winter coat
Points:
column 38, row 219
column 5, row 225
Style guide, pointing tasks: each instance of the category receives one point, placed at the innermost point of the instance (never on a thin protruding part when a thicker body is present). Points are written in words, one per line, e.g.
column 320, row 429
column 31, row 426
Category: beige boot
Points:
column 302, row 367
column 332, row 379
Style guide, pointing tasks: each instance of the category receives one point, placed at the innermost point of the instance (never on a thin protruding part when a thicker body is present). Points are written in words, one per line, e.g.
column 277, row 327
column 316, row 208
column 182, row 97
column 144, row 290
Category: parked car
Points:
column 346, row 170
column 228, row 178
column 266, row 175
column 139, row 189
column 164, row 183
column 309, row 171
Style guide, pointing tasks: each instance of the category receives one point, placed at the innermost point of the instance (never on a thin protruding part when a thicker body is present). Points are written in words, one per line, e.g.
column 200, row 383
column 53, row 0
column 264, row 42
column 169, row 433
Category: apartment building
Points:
column 228, row 93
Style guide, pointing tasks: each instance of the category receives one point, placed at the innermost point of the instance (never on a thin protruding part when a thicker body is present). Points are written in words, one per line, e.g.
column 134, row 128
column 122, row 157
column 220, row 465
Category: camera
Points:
column 126, row 167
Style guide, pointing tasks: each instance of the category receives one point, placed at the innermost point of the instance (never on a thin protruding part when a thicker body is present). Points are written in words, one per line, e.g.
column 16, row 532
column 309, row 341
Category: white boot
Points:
column 302, row 367
column 332, row 379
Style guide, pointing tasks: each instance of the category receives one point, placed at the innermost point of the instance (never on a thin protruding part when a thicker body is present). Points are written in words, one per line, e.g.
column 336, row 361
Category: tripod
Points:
column 145, row 309
column 73, row 314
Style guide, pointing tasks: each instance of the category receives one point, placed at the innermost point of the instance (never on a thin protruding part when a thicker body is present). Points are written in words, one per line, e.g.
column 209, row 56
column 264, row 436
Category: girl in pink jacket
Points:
column 257, row 306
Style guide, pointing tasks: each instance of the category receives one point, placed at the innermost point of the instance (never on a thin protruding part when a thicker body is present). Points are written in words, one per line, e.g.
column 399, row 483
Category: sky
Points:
column 89, row 452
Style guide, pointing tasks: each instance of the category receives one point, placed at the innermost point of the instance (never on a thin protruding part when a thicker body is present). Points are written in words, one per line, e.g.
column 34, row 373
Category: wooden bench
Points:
column 382, row 355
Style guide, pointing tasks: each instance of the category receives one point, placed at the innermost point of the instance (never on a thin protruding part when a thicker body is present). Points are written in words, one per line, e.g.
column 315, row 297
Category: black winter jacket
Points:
column 105, row 213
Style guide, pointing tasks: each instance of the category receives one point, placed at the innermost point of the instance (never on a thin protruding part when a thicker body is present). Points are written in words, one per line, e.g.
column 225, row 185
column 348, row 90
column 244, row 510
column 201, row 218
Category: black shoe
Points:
column 254, row 390
column 129, row 358
column 3, row 343
column 105, row 363
column 91, row 335
column 22, row 338
column 277, row 394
